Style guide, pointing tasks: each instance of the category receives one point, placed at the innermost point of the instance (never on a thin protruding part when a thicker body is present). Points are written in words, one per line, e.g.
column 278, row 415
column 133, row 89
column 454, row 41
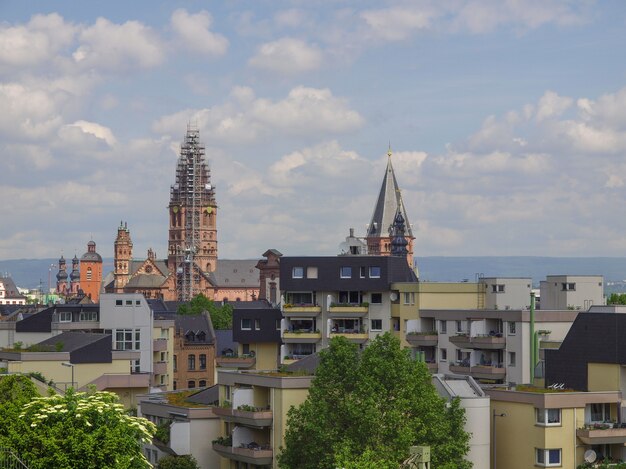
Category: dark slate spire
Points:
column 398, row 240
column 388, row 203
column 75, row 275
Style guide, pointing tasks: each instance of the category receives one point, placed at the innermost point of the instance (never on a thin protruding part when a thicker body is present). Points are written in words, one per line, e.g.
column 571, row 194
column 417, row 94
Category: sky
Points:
column 506, row 118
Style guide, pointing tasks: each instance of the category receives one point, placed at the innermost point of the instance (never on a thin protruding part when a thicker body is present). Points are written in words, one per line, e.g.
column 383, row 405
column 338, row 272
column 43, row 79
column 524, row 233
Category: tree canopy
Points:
column 15, row 391
column 178, row 462
column 616, row 299
column 78, row 430
column 221, row 315
column 365, row 409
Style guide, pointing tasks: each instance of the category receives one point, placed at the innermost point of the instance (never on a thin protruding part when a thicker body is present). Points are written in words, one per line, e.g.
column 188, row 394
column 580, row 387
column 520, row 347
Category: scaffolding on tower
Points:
column 191, row 193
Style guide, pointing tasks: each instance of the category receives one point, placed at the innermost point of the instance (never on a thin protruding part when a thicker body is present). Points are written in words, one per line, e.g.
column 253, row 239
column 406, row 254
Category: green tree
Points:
column 221, row 315
column 366, row 409
column 79, row 430
column 15, row 392
column 617, row 299
column 178, row 462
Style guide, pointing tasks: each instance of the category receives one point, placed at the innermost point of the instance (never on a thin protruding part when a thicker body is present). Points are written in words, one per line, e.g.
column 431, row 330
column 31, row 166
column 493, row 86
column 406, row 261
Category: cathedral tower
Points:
column 192, row 244
column 91, row 272
column 122, row 259
column 385, row 222
column 62, row 277
column 75, row 276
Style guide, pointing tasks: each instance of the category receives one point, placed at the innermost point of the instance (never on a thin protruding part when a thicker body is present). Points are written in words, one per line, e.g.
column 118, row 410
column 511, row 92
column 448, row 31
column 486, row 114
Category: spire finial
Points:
column 389, row 153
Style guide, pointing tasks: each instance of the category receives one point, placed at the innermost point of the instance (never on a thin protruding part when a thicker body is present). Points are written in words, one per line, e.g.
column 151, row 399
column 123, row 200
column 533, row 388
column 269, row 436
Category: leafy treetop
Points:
column 221, row 315
column 367, row 408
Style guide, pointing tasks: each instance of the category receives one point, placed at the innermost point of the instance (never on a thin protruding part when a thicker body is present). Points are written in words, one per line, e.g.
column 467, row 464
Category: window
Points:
column 374, row 272
column 311, row 272
column 443, row 355
column 300, row 298
column 129, row 302
column 409, row 298
column 350, row 297
column 137, row 302
column 511, row 328
column 443, row 327
column 459, row 326
column 88, row 273
column 88, row 316
column 65, row 316
column 278, row 324
column 599, row 412
column 245, row 349
column 246, row 324
column 175, row 363
column 362, row 271
column 512, row 358
column 548, row 457
column 497, row 288
column 191, row 384
column 135, row 366
column 377, row 324
column 191, row 362
column 377, row 298
column 202, row 383
column 127, row 339
column 257, row 324
column 568, row 286
column 345, row 272
column 203, row 361
column 297, row 272
column 548, row 417
column 118, row 302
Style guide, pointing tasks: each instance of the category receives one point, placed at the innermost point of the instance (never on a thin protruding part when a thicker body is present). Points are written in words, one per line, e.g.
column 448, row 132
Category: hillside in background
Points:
column 28, row 273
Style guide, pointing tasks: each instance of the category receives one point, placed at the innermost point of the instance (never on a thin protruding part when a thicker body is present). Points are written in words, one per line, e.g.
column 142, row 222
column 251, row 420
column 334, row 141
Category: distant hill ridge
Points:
column 28, row 273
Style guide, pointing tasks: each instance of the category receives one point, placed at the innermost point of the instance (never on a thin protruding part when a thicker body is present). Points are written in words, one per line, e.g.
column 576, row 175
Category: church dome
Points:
column 62, row 275
column 91, row 255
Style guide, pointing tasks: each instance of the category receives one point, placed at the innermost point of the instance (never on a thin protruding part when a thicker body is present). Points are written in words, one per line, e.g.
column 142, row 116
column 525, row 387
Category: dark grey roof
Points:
column 208, row 396
column 236, row 273
column 308, row 364
column 146, row 281
column 11, row 291
column 73, row 340
column 389, row 199
column 196, row 323
column 224, row 340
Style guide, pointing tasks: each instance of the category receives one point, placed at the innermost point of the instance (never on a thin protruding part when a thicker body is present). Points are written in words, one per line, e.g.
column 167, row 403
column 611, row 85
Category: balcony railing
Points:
column 235, row 362
column 495, row 372
column 261, row 455
column 460, row 368
column 159, row 345
column 250, row 416
column 356, row 337
column 483, row 342
column 159, row 368
column 348, row 310
column 302, row 337
column 602, row 434
column 422, row 339
column 302, row 311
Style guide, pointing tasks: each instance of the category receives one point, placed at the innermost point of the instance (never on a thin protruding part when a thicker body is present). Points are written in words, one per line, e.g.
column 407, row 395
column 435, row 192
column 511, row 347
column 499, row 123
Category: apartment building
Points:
column 188, row 423
column 578, row 292
column 507, row 292
column 348, row 296
column 253, row 408
column 489, row 345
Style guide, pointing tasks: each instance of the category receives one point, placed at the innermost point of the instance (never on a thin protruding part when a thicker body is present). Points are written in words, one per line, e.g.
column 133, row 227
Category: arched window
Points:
column 191, row 362
column 203, row 361
column 191, row 384
column 202, row 383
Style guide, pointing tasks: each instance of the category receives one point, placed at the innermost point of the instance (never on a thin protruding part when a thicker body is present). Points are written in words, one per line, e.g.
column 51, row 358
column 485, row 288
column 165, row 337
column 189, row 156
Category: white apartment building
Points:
column 578, row 292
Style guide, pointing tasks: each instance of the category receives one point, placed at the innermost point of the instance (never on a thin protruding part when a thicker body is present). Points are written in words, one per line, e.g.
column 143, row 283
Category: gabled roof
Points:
column 236, row 273
column 196, row 323
column 11, row 290
column 389, row 200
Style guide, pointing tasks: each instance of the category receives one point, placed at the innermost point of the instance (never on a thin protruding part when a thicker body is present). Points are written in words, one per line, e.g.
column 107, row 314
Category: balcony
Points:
column 301, row 311
column 159, row 345
column 159, row 368
column 497, row 372
column 355, row 337
column 602, row 434
column 235, row 362
column 482, row 342
column 251, row 417
column 422, row 339
column 261, row 457
column 301, row 337
column 433, row 367
column 348, row 311
column 460, row 368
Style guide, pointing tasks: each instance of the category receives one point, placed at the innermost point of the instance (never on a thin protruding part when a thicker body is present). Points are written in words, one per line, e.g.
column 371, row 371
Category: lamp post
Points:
column 494, row 435
column 72, row 367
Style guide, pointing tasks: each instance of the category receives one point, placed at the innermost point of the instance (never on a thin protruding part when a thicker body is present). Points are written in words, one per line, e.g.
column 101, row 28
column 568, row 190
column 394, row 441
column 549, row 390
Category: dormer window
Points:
column 345, row 272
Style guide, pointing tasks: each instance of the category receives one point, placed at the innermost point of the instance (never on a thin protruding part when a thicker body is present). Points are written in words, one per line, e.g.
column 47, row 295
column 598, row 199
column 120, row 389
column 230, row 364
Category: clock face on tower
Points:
column 208, row 209
column 175, row 209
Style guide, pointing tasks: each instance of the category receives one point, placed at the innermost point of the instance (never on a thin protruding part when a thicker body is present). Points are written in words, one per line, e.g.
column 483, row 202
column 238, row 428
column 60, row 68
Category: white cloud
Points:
column 398, row 23
column 92, row 128
column 35, row 42
column 552, row 105
column 117, row 47
column 287, row 55
column 194, row 32
column 245, row 118
column 291, row 18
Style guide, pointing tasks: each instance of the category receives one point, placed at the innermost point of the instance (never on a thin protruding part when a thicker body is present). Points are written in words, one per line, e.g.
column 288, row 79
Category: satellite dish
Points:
column 590, row 455
column 393, row 296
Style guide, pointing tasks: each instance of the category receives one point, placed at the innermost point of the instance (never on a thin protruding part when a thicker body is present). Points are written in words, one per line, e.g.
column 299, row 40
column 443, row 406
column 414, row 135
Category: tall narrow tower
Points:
column 381, row 229
column 75, row 276
column 91, row 272
column 123, row 256
column 192, row 245
column 62, row 277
